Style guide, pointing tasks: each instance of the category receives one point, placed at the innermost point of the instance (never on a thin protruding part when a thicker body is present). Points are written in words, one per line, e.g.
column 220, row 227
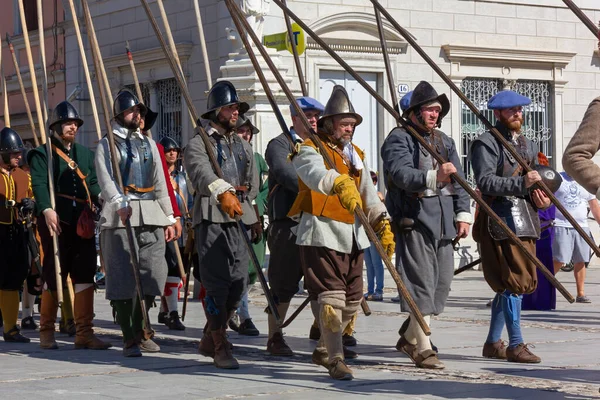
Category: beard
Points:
column 227, row 123
column 133, row 125
column 513, row 124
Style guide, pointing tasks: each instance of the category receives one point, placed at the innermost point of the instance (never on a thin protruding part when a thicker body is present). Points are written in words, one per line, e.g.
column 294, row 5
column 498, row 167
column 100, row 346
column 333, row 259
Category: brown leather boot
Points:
column 339, row 370
column 84, row 313
column 223, row 357
column 522, row 354
column 207, row 346
column 495, row 350
column 276, row 346
column 48, row 310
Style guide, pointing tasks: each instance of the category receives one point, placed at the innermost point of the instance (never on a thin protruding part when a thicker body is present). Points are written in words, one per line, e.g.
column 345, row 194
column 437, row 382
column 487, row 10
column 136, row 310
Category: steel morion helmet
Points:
column 339, row 105
column 223, row 94
column 125, row 100
column 169, row 143
column 10, row 142
column 64, row 112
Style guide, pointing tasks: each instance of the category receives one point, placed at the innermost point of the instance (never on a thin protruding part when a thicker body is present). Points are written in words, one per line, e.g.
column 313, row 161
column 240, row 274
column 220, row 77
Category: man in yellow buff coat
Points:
column 331, row 239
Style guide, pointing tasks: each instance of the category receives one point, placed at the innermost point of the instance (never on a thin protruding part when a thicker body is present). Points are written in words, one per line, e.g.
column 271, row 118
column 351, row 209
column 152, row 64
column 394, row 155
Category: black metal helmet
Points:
column 549, row 176
column 169, row 143
column 10, row 142
column 149, row 119
column 64, row 112
column 242, row 120
column 424, row 94
column 223, row 94
column 125, row 100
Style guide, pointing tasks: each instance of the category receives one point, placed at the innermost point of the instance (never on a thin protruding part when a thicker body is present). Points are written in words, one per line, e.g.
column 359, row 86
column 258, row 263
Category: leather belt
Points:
column 135, row 189
column 73, row 198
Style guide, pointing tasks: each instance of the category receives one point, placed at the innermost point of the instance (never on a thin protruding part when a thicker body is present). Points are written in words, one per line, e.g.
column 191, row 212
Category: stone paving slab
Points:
column 566, row 339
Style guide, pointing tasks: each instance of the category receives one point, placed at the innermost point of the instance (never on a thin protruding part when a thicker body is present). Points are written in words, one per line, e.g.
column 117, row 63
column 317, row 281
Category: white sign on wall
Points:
column 403, row 88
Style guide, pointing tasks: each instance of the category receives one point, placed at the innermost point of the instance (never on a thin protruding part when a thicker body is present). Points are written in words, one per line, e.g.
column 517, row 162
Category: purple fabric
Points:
column 544, row 297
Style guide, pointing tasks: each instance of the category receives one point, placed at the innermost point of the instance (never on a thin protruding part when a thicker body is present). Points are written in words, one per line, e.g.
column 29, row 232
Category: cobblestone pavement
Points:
column 566, row 339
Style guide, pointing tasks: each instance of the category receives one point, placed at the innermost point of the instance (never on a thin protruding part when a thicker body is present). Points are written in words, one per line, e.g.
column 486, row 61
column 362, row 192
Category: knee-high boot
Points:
column 48, row 312
column 84, row 314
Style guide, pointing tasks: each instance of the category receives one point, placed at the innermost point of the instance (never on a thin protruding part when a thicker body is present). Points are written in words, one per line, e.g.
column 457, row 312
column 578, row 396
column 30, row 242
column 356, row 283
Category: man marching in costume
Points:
column 178, row 181
column 428, row 211
column 147, row 205
column 76, row 190
column 331, row 239
column 510, row 193
column 285, row 269
column 222, row 252
column 15, row 203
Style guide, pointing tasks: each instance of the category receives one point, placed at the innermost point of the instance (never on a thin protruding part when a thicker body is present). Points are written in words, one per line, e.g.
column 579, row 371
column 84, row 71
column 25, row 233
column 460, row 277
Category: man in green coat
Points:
column 76, row 189
column 246, row 131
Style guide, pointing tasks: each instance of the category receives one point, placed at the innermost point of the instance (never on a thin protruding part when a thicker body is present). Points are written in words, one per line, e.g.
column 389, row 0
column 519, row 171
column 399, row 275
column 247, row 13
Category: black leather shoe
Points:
column 28, row 323
column 162, row 317
column 14, row 336
column 315, row 333
column 348, row 340
column 247, row 328
column 173, row 322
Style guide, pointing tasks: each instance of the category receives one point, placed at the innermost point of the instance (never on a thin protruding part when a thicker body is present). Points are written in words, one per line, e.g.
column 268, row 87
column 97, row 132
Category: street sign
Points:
column 281, row 41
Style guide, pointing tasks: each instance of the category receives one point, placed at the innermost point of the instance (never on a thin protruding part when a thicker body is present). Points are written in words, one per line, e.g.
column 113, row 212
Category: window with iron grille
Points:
column 537, row 116
column 164, row 98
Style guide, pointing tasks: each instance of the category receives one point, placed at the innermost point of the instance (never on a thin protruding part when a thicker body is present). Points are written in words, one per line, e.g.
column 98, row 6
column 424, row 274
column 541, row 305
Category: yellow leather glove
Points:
column 347, row 191
column 385, row 235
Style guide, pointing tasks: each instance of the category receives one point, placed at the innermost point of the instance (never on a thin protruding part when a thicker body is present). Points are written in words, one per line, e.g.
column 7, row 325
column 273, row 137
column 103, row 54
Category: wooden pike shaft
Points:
column 169, row 34
column 4, row 92
column 242, row 25
column 42, row 38
column 583, row 18
column 23, row 93
column 202, row 42
column 457, row 178
column 86, row 70
column 34, row 85
column 288, row 25
column 131, row 241
column 136, row 82
column 101, row 74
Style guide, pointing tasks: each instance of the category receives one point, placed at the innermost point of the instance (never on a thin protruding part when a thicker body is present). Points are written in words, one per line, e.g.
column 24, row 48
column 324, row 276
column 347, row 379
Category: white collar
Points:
column 123, row 132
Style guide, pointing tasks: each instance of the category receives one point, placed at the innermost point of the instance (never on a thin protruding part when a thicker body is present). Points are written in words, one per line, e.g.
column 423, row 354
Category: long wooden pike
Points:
column 136, row 81
column 23, row 92
column 242, row 25
column 101, row 77
column 386, row 59
column 4, row 91
column 288, row 25
column 211, row 154
column 86, row 70
column 583, row 17
column 42, row 45
column 202, row 42
column 131, row 241
column 501, row 139
column 457, row 178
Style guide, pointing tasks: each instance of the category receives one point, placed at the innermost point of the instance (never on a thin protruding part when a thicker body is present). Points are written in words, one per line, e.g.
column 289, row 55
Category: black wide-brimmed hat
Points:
column 425, row 94
column 242, row 120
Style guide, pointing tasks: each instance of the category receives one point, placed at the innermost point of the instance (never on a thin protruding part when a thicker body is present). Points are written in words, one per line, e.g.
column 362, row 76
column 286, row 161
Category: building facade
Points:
column 54, row 41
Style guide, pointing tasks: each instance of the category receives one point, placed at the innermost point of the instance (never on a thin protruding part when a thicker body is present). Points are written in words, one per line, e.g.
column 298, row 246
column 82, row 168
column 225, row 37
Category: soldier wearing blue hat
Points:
column 428, row 211
column 285, row 269
column 510, row 193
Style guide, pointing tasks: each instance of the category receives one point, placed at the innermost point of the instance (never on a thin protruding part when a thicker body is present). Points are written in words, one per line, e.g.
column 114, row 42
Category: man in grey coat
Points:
column 428, row 211
column 285, row 269
column 219, row 201
column 146, row 204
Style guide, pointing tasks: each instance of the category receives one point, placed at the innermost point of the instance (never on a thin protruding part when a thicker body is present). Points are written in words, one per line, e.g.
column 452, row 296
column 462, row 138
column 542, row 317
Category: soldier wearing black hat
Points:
column 15, row 202
column 428, row 211
column 145, row 202
column 219, row 200
column 76, row 190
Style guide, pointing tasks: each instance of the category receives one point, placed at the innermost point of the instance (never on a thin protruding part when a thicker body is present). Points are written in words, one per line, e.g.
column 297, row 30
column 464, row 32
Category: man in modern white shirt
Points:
column 569, row 245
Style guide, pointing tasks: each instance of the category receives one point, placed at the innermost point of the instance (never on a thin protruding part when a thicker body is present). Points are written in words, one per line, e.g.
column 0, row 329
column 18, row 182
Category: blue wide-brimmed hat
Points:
column 405, row 101
column 306, row 103
column 507, row 99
